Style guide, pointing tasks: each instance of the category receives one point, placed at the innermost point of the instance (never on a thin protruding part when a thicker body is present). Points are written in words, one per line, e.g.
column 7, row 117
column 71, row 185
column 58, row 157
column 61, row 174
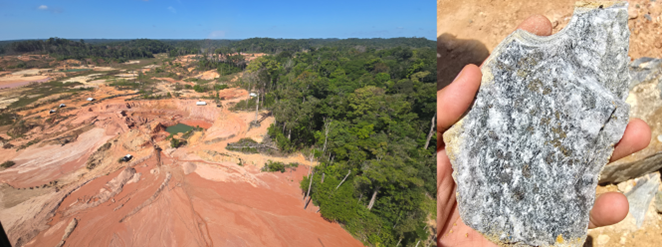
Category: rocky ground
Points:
column 68, row 187
column 468, row 31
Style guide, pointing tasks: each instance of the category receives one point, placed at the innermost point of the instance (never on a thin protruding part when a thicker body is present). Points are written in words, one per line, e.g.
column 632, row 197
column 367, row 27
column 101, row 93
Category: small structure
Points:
column 253, row 94
column 90, row 99
column 62, row 105
column 201, row 103
column 127, row 157
column 51, row 111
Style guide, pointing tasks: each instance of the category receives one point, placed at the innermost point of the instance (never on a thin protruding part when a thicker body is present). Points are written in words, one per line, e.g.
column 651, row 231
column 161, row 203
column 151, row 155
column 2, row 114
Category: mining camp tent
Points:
column 201, row 103
column 90, row 99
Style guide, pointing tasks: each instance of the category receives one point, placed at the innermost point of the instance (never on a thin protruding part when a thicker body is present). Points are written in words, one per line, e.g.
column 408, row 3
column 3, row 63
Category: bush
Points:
column 245, row 145
column 7, row 118
column 278, row 166
column 274, row 167
column 175, row 143
column 220, row 87
column 8, row 164
column 30, row 143
column 199, row 89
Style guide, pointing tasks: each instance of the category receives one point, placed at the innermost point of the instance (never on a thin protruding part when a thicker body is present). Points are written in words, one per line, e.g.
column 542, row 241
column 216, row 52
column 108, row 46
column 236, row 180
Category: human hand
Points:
column 454, row 100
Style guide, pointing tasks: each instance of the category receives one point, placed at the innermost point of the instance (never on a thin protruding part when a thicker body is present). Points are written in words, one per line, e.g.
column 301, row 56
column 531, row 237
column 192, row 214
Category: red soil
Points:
column 193, row 211
column 194, row 123
column 220, row 204
column 41, row 165
column 20, row 83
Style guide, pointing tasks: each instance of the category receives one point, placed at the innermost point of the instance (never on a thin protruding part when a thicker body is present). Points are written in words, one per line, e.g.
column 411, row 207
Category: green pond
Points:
column 178, row 128
column 74, row 70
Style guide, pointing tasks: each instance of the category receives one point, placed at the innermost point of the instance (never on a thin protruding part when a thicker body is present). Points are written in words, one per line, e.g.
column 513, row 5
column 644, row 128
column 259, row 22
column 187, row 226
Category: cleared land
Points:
column 67, row 163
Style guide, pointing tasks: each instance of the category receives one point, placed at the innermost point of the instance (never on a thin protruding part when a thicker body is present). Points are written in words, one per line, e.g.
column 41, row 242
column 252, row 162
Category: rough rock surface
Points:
column 645, row 99
column 526, row 157
column 641, row 195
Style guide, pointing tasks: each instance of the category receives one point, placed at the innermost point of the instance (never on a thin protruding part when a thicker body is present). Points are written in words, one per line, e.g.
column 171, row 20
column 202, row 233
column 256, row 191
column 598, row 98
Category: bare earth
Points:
column 196, row 195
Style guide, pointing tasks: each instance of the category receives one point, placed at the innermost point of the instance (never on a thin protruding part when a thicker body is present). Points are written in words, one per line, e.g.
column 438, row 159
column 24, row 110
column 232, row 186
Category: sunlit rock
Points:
column 526, row 157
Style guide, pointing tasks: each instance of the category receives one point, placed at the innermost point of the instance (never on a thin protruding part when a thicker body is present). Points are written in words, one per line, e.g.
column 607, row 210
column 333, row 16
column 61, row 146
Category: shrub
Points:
column 199, row 89
column 278, row 166
column 175, row 143
column 220, row 86
column 274, row 167
column 8, row 164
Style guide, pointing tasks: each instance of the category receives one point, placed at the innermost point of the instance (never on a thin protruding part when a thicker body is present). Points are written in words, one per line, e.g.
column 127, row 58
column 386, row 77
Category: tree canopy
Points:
column 366, row 115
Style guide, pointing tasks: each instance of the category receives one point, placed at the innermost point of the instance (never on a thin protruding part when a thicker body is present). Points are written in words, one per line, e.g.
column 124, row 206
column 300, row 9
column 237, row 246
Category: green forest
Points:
column 68, row 49
column 141, row 48
column 367, row 115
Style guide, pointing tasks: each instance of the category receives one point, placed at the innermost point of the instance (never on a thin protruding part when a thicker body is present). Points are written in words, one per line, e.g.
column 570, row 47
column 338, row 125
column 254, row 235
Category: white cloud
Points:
column 173, row 10
column 42, row 7
column 217, row 34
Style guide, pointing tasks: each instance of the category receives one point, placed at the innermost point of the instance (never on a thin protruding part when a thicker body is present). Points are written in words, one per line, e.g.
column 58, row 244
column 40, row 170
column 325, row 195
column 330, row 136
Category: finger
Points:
column 445, row 187
column 636, row 137
column 609, row 208
column 455, row 99
column 537, row 24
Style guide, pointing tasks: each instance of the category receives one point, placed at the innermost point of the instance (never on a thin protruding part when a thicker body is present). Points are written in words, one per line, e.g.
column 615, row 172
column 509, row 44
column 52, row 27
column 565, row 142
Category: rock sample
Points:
column 645, row 99
column 641, row 195
column 526, row 157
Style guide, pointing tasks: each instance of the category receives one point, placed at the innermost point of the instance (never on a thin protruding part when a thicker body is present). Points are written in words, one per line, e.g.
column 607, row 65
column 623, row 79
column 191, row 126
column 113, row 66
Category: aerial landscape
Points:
column 217, row 141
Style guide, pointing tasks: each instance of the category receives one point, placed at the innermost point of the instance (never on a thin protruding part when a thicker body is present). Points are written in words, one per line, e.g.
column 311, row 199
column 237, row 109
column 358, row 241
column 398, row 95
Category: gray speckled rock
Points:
column 526, row 157
column 641, row 195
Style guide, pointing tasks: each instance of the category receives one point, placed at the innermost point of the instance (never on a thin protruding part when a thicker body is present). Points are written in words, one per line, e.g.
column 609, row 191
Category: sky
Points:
column 181, row 19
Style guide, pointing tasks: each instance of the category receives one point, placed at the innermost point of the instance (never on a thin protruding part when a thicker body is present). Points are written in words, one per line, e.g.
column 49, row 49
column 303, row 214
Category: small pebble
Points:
column 648, row 17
